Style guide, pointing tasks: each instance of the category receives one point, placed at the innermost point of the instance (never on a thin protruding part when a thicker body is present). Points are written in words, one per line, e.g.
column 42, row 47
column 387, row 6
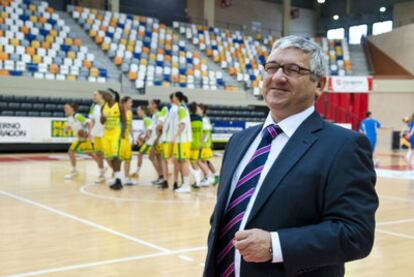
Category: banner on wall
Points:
column 52, row 130
column 350, row 84
column 222, row 130
column 40, row 130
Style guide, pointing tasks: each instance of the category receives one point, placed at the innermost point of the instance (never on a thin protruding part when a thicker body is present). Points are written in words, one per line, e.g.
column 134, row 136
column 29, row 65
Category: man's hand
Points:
column 254, row 245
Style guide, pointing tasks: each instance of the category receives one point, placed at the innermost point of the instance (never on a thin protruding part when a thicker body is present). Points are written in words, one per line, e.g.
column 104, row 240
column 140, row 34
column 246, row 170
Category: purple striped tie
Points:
column 245, row 188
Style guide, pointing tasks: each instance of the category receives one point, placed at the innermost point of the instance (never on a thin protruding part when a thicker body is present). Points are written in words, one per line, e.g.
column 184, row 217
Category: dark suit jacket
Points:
column 319, row 196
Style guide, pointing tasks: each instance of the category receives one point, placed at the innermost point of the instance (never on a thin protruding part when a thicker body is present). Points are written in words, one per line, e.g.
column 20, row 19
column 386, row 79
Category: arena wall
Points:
column 243, row 12
column 403, row 13
column 400, row 52
column 83, row 89
column 390, row 101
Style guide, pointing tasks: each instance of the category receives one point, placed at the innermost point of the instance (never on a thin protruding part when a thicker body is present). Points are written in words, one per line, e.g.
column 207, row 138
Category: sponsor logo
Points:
column 59, row 129
column 12, row 129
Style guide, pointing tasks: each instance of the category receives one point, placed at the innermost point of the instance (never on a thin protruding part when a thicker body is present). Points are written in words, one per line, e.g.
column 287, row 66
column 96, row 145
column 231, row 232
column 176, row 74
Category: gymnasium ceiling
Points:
column 339, row 6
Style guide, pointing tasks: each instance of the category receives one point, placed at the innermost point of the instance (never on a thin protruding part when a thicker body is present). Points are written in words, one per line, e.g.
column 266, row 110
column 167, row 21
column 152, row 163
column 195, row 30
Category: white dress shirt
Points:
column 289, row 126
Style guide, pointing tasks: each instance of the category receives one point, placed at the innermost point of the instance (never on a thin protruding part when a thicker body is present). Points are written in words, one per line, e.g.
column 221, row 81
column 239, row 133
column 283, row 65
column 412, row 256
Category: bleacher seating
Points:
column 241, row 55
column 35, row 42
column 33, row 106
column 149, row 52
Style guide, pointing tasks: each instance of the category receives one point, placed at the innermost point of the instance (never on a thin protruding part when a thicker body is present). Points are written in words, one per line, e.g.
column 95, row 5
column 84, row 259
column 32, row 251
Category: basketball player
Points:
column 206, row 149
column 78, row 124
column 144, row 147
column 126, row 147
column 369, row 127
column 114, row 121
column 168, row 112
column 197, row 167
column 181, row 141
column 410, row 137
column 156, row 149
column 96, row 133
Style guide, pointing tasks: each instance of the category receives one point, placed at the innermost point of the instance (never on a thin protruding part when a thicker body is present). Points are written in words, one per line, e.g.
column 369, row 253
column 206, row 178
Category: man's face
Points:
column 289, row 94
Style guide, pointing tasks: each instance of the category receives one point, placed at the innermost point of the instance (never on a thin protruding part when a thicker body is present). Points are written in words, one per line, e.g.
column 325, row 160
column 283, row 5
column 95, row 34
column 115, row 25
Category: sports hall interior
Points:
column 59, row 51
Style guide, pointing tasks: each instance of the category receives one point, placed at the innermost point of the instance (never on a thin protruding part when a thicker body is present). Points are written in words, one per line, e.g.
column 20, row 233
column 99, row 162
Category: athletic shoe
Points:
column 195, row 186
column 100, row 180
column 158, row 181
column 216, row 180
column 71, row 174
column 111, row 181
column 183, row 189
column 134, row 175
column 129, row 182
column 163, row 185
column 175, row 186
column 117, row 185
column 206, row 182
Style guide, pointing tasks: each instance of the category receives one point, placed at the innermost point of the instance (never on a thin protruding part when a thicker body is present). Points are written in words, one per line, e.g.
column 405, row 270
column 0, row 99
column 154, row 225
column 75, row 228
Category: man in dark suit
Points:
column 296, row 194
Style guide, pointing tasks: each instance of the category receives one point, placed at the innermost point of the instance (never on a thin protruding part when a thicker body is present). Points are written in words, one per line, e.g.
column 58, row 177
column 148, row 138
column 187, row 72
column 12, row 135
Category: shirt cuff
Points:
column 276, row 248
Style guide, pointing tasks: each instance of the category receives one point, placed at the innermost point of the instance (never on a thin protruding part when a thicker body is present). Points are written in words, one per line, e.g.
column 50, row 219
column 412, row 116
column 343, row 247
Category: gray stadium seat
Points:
column 7, row 113
column 21, row 113
column 26, row 106
column 33, row 114
column 13, row 106
column 38, row 106
column 45, row 114
column 58, row 114
column 50, row 107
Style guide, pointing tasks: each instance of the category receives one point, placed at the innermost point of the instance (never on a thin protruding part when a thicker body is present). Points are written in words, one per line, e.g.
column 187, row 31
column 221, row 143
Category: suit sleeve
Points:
column 346, row 229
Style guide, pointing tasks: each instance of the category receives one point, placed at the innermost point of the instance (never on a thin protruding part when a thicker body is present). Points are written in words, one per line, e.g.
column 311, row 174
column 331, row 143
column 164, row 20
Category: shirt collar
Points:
column 291, row 123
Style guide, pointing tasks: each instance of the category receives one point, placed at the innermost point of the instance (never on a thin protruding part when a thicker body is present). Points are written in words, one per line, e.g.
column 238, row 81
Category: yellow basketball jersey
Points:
column 128, row 116
column 112, row 115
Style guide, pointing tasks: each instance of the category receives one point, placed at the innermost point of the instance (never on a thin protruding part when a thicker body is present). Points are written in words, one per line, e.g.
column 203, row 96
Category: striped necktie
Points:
column 236, row 208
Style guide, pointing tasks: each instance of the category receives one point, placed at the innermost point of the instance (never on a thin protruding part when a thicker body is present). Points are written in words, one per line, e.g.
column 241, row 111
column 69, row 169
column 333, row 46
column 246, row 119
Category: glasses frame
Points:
column 300, row 70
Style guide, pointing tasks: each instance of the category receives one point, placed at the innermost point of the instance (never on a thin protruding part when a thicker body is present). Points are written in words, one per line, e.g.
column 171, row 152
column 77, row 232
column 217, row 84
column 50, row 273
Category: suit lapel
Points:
column 296, row 147
column 237, row 150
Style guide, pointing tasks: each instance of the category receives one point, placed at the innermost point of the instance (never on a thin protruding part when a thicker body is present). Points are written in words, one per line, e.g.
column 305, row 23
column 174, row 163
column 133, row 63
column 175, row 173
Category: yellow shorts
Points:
column 182, row 151
column 166, row 150
column 111, row 143
column 97, row 145
column 125, row 151
column 206, row 154
column 195, row 155
column 145, row 149
column 158, row 148
column 81, row 146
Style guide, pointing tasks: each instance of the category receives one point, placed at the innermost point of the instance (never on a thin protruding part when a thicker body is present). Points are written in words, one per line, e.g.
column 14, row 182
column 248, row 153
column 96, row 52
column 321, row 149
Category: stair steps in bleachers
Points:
column 359, row 60
column 229, row 80
column 100, row 58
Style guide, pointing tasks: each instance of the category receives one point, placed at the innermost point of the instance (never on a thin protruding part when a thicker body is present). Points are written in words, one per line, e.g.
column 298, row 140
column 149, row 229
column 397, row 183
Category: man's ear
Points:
column 320, row 86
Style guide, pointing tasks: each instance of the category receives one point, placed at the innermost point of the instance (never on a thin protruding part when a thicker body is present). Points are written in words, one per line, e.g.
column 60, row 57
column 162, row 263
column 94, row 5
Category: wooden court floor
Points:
column 52, row 227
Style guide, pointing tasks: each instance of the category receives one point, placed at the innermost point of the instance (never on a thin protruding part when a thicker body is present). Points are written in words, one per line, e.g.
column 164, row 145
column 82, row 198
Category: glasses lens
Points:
column 271, row 68
column 292, row 69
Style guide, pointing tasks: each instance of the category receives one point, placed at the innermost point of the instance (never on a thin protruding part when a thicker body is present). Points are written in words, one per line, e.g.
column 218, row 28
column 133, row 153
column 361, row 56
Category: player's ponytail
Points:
column 181, row 97
column 115, row 95
column 192, row 108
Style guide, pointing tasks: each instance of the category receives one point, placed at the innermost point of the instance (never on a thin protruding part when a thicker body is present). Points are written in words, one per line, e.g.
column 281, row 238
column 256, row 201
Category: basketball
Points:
column 82, row 134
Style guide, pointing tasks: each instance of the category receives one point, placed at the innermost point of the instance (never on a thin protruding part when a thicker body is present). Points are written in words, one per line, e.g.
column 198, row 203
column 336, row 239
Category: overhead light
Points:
column 335, row 17
column 383, row 9
column 321, row 1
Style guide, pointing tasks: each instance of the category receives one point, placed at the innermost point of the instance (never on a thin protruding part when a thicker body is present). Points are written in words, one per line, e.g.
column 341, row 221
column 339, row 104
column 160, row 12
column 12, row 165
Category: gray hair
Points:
column 317, row 61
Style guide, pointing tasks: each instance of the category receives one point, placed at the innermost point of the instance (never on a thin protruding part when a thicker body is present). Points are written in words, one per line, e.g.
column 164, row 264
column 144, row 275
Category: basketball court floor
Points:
column 52, row 227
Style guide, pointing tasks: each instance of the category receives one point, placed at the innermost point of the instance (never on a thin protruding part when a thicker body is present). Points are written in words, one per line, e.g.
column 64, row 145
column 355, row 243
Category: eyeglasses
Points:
column 290, row 69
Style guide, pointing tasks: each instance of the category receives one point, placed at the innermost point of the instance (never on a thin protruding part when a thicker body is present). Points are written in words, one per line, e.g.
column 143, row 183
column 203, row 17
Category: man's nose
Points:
column 279, row 75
